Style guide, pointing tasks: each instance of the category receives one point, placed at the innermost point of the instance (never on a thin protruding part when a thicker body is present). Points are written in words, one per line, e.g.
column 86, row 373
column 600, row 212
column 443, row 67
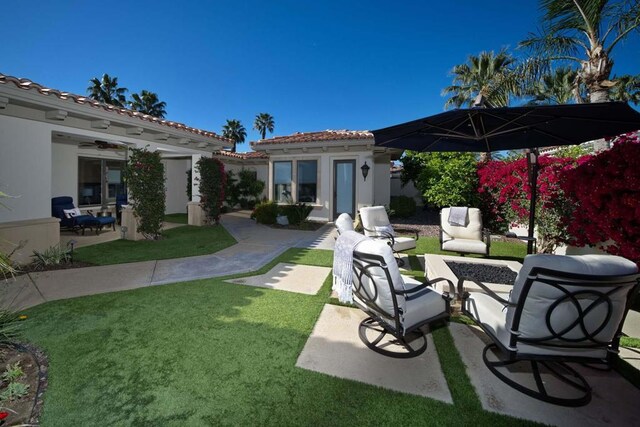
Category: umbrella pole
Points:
column 532, row 165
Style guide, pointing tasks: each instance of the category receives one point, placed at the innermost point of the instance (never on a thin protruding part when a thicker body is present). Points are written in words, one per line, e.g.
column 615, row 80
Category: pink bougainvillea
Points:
column 605, row 193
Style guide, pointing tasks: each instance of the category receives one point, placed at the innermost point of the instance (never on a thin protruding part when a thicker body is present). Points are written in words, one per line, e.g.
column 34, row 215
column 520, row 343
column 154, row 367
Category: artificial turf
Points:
column 512, row 251
column 176, row 242
column 212, row 353
column 180, row 218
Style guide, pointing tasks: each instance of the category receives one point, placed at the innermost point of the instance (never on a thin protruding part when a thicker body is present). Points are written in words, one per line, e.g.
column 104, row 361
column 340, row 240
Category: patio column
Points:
column 195, row 214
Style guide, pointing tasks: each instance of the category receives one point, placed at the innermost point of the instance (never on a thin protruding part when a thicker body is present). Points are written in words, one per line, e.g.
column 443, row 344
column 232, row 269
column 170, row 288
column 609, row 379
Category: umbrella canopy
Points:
column 510, row 128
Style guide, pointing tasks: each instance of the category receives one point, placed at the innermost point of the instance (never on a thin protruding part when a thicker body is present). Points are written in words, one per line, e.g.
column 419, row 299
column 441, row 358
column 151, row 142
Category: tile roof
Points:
column 249, row 155
column 80, row 99
column 326, row 135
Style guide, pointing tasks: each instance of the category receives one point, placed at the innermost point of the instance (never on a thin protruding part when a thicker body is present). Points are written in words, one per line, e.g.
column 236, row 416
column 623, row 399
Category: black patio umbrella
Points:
column 509, row 128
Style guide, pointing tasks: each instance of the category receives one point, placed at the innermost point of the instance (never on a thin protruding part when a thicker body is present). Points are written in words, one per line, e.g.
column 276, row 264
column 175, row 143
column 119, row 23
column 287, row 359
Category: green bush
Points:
column 212, row 187
column 265, row 213
column 403, row 206
column 54, row 255
column 296, row 213
column 145, row 179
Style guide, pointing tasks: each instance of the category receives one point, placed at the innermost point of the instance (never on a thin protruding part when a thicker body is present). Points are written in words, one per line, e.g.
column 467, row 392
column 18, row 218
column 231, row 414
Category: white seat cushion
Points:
column 372, row 217
column 473, row 230
column 465, row 245
column 422, row 305
column 403, row 243
column 344, row 223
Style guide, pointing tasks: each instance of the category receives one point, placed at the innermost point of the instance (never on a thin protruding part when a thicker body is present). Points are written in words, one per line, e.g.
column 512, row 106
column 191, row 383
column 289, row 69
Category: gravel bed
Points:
column 483, row 272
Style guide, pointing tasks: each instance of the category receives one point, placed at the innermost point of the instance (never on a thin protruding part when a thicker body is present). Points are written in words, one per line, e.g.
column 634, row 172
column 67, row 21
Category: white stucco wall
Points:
column 408, row 190
column 176, row 185
column 64, row 170
column 381, row 173
column 25, row 169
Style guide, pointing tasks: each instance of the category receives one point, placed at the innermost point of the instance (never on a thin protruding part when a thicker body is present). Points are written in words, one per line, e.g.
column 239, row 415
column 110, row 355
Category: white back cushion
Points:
column 373, row 217
column 384, row 299
column 344, row 223
column 472, row 231
column 533, row 322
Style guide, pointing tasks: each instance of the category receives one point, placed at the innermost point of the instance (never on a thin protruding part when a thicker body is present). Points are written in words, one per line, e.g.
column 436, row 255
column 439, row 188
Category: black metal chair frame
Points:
column 486, row 238
column 557, row 365
column 391, row 241
column 376, row 322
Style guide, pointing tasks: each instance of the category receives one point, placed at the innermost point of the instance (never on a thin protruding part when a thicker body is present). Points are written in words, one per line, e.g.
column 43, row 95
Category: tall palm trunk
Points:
column 595, row 74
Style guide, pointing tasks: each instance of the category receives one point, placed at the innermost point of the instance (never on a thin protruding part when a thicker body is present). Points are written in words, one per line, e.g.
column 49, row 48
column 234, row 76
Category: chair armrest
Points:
column 408, row 230
column 381, row 235
column 463, row 295
column 427, row 285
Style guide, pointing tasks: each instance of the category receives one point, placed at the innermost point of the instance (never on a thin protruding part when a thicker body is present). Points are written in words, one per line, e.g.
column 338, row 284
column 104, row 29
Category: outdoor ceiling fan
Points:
column 101, row 145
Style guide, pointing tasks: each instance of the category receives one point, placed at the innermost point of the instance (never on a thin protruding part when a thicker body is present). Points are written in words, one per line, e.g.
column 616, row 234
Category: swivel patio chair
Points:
column 561, row 309
column 72, row 219
column 376, row 225
column 463, row 235
column 344, row 223
column 397, row 305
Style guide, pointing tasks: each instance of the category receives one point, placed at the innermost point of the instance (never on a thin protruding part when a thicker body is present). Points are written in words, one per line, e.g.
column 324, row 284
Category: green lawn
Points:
column 176, row 243
column 211, row 353
column 499, row 250
column 180, row 218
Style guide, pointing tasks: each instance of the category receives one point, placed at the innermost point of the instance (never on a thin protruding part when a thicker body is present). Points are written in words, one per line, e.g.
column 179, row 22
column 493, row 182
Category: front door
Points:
column 344, row 187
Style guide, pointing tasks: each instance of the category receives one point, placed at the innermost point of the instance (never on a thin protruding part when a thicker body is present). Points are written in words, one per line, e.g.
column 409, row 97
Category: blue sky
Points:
column 312, row 65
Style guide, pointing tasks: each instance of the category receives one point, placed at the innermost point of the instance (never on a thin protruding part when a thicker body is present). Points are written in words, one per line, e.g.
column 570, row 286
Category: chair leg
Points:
column 406, row 347
column 574, row 389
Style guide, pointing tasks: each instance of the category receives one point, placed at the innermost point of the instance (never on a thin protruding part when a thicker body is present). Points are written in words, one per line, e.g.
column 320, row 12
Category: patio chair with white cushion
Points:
column 461, row 231
column 344, row 223
column 375, row 222
column 561, row 309
column 397, row 305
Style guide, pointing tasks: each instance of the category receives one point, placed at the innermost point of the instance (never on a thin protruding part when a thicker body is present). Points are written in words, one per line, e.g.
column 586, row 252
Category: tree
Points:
column 554, row 88
column 488, row 76
column 234, row 131
column 263, row 123
column 593, row 26
column 107, row 91
column 148, row 103
column 626, row 89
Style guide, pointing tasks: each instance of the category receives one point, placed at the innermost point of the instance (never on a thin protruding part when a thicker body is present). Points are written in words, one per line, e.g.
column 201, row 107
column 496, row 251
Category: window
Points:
column 282, row 181
column 307, row 181
column 99, row 181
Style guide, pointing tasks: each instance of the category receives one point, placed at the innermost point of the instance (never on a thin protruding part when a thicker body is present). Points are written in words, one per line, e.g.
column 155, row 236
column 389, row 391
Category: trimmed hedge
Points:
column 402, row 206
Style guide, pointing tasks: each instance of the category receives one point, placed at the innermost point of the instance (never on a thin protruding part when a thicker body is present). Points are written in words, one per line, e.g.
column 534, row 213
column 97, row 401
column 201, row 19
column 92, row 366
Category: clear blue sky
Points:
column 313, row 65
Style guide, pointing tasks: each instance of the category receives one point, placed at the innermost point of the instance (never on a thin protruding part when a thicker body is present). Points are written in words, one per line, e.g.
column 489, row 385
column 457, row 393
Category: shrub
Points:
column 212, row 185
column 296, row 213
column 604, row 194
column 145, row 179
column 54, row 255
column 14, row 391
column 265, row 213
column 189, row 183
column 231, row 190
column 444, row 179
column 403, row 206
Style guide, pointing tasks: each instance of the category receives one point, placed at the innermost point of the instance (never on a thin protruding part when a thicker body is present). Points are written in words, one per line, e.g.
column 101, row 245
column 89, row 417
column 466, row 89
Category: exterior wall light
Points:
column 365, row 170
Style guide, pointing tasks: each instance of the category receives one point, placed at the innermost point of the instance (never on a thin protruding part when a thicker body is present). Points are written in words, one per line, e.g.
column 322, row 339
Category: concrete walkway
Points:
column 257, row 245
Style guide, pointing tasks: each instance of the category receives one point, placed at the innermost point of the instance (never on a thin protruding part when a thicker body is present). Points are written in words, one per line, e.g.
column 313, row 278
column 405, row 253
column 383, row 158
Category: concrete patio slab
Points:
column 615, row 401
column 631, row 326
column 334, row 348
column 303, row 279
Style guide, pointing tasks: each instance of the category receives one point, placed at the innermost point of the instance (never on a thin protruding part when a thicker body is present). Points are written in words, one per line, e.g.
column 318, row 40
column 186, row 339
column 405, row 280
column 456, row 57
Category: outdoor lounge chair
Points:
column 344, row 223
column 467, row 238
column 68, row 220
column 375, row 222
column 561, row 309
column 397, row 305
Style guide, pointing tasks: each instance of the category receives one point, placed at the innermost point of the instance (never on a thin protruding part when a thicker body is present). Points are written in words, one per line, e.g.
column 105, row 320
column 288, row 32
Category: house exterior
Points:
column 255, row 161
column 327, row 170
column 54, row 143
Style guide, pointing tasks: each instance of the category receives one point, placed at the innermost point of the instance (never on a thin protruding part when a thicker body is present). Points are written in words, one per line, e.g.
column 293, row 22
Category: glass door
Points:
column 344, row 187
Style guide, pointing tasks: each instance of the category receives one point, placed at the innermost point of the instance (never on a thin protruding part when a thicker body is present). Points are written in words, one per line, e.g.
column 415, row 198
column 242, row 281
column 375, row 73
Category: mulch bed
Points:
column 34, row 363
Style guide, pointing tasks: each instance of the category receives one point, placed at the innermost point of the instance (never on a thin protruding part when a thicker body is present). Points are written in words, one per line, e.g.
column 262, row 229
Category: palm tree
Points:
column 593, row 26
column 234, row 131
column 555, row 88
column 488, row 79
column 263, row 123
column 148, row 103
column 627, row 89
column 107, row 91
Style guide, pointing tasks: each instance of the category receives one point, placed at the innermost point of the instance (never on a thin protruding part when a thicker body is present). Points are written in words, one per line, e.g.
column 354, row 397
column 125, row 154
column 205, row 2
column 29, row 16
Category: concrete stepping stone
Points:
column 334, row 348
column 615, row 400
column 304, row 279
